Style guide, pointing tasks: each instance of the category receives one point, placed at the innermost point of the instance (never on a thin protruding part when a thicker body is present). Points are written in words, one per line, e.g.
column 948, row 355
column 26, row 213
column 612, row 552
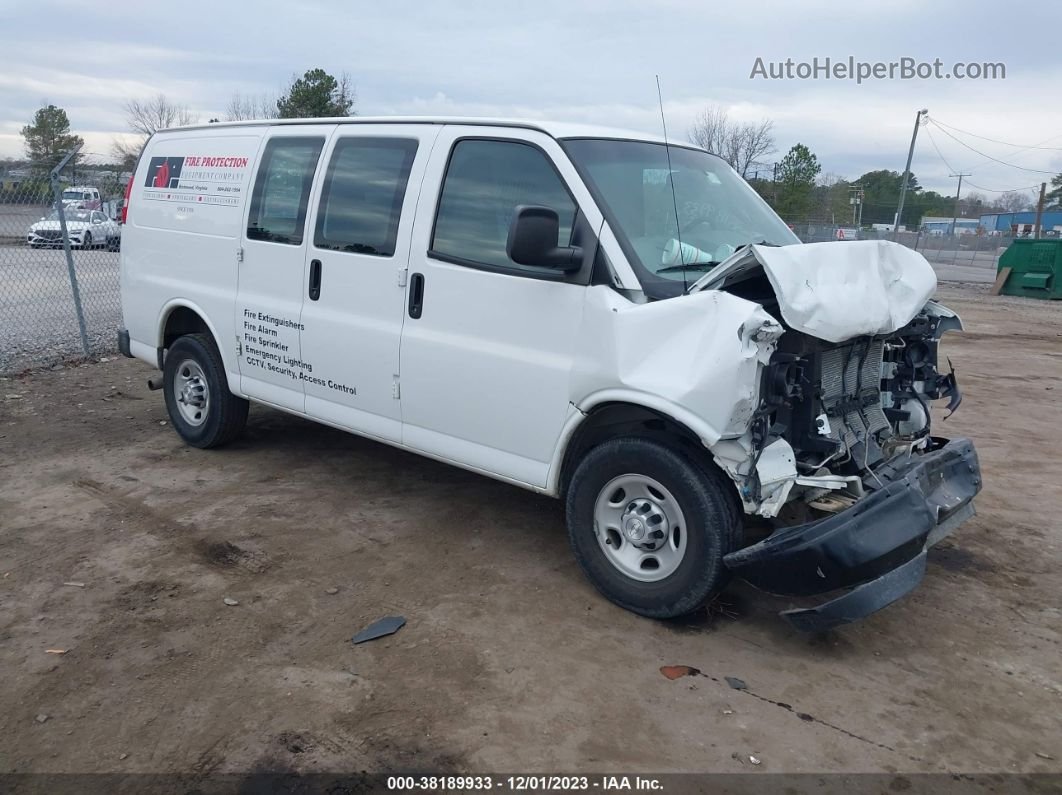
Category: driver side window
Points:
column 485, row 181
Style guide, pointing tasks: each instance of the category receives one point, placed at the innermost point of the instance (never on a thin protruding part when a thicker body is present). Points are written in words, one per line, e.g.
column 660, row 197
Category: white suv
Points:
column 589, row 314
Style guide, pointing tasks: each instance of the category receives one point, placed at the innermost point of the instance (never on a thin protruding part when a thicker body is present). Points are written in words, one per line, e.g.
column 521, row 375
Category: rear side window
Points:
column 361, row 203
column 282, row 190
column 485, row 182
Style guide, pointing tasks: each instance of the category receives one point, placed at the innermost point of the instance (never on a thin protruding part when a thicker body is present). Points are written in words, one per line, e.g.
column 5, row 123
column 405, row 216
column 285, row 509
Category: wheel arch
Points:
column 180, row 317
column 616, row 416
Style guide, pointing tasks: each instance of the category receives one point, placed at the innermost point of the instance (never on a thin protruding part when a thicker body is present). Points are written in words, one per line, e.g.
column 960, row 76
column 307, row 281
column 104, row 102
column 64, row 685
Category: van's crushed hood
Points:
column 836, row 291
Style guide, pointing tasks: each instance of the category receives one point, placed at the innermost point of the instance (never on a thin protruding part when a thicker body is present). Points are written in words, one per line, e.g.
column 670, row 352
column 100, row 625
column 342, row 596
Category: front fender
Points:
column 697, row 358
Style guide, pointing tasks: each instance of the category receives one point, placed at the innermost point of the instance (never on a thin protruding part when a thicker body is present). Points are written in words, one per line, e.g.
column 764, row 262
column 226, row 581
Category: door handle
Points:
column 315, row 279
column 416, row 295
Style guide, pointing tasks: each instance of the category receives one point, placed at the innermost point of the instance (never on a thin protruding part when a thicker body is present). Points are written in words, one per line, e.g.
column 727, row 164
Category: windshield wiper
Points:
column 689, row 266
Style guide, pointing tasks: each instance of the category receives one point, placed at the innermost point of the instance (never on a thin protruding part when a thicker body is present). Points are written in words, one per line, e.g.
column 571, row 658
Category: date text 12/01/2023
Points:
column 263, row 349
column 522, row 783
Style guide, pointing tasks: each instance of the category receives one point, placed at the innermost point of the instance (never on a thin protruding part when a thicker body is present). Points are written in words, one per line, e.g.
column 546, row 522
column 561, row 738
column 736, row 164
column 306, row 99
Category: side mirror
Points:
column 533, row 235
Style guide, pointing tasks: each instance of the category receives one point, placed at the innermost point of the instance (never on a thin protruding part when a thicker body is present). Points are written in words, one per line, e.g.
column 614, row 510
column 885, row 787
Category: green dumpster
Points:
column 1035, row 268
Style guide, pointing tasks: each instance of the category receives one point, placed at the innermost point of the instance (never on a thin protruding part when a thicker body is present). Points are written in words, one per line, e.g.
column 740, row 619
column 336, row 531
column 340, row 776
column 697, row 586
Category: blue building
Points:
column 939, row 225
column 1021, row 223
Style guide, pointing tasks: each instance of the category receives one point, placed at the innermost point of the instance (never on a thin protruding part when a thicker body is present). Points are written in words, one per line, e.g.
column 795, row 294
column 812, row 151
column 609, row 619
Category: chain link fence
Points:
column 979, row 250
column 59, row 250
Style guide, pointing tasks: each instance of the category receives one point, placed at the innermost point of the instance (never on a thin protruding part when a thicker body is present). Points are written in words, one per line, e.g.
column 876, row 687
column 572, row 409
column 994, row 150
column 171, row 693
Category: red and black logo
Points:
column 164, row 172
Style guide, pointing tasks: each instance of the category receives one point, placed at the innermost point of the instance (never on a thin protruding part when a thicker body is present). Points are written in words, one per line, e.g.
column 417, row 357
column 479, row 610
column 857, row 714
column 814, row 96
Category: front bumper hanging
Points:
column 877, row 548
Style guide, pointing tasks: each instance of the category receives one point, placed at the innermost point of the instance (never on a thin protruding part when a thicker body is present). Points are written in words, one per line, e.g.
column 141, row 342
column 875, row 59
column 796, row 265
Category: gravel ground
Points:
column 509, row 661
column 38, row 321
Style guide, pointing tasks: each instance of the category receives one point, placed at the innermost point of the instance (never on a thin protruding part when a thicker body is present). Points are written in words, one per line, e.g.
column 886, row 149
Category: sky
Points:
column 581, row 60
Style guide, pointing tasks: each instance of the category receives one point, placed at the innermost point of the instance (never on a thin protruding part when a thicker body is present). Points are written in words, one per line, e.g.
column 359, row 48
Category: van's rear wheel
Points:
column 202, row 409
column 649, row 527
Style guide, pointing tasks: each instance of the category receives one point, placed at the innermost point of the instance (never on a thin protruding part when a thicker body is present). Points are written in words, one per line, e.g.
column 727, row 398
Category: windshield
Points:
column 75, row 195
column 71, row 215
column 718, row 212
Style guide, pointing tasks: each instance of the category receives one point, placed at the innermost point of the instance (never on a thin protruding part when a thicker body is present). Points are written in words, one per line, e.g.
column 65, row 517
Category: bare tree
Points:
column 244, row 107
column 348, row 92
column 144, row 117
column 1013, row 201
column 711, row 130
column 739, row 144
column 125, row 153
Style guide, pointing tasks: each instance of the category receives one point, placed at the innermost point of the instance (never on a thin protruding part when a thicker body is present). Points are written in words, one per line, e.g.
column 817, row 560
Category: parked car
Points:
column 82, row 197
column 87, row 229
column 589, row 314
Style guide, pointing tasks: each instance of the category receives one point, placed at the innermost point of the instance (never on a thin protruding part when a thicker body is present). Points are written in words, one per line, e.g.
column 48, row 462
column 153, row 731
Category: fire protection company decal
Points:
column 202, row 179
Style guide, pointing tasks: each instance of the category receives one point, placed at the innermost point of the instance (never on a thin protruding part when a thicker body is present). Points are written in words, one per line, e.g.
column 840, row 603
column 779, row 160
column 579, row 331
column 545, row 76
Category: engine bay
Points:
column 849, row 406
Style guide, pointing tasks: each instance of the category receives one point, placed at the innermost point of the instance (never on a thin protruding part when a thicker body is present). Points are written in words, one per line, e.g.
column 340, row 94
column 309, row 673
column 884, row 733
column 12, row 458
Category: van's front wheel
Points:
column 202, row 409
column 649, row 527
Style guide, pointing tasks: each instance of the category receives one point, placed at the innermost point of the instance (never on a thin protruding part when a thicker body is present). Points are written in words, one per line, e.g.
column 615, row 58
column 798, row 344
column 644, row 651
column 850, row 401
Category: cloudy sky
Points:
column 577, row 60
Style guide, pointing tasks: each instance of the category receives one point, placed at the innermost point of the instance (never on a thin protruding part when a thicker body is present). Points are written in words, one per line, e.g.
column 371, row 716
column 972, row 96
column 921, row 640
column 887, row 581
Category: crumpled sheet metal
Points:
column 701, row 352
column 839, row 290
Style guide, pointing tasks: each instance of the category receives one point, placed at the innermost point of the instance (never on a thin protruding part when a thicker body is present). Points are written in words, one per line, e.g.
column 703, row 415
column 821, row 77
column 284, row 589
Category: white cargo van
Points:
column 589, row 314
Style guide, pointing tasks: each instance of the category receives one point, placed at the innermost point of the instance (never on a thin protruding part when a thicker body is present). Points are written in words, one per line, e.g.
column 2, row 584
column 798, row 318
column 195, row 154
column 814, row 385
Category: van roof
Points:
column 551, row 128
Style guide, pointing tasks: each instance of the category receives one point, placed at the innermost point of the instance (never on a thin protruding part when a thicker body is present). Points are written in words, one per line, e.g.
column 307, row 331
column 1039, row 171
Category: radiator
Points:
column 842, row 376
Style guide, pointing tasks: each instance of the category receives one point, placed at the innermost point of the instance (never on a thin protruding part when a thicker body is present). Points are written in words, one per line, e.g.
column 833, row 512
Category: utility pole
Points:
column 855, row 198
column 1040, row 210
column 907, row 172
column 955, row 217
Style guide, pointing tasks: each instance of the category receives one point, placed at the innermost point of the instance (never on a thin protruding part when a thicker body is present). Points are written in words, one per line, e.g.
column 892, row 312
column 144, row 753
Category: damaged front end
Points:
column 840, row 455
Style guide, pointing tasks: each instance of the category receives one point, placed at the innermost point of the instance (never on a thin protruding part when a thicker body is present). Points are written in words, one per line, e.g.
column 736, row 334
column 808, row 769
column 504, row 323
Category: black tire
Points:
column 225, row 415
column 708, row 503
column 86, row 241
column 114, row 244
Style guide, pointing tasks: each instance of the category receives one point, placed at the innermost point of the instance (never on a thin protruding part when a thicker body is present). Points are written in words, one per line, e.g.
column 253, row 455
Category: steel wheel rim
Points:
column 629, row 512
column 191, row 392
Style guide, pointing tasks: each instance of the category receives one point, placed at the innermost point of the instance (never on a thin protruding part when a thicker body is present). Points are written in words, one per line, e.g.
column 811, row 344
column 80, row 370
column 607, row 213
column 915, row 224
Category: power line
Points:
column 940, row 154
column 997, row 190
column 1023, row 147
column 944, row 160
column 989, row 157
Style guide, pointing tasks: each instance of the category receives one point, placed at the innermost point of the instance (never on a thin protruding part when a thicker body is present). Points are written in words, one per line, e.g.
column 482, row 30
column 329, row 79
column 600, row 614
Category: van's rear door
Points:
column 353, row 294
column 274, row 244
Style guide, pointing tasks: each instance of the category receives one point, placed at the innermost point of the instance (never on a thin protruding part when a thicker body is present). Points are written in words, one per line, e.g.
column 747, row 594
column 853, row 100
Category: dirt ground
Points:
column 509, row 661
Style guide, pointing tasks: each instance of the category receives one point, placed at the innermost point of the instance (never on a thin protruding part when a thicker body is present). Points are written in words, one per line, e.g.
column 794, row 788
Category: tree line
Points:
column 48, row 136
column 794, row 185
column 798, row 190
